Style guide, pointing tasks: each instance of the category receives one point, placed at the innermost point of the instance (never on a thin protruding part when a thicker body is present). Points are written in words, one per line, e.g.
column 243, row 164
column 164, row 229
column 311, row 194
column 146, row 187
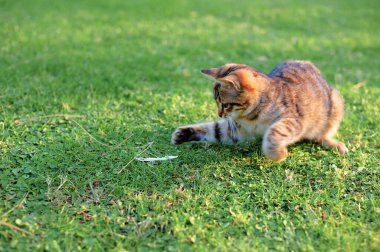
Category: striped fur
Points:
column 292, row 103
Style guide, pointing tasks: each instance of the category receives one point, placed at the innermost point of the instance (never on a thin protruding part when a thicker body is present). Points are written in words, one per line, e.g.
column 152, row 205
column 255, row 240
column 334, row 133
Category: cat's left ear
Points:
column 213, row 72
column 230, row 81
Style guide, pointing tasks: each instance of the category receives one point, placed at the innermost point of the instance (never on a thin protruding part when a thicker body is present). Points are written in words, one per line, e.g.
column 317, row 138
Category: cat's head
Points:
column 236, row 87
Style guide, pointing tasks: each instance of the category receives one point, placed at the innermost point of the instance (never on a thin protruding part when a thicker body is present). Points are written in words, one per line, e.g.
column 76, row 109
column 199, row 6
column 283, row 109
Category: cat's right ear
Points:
column 212, row 72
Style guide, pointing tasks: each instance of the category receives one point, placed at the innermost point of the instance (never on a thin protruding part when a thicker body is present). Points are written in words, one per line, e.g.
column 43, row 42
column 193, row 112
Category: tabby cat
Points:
column 292, row 103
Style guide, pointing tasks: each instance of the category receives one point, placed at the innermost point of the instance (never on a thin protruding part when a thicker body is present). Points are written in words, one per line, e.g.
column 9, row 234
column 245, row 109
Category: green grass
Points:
column 130, row 70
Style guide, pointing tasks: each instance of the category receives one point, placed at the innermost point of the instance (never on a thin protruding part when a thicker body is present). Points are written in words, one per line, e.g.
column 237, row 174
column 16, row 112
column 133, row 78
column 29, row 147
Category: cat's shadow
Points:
column 196, row 162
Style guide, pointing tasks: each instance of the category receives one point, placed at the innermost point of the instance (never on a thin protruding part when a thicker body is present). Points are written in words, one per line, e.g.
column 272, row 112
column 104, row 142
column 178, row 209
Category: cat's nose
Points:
column 220, row 113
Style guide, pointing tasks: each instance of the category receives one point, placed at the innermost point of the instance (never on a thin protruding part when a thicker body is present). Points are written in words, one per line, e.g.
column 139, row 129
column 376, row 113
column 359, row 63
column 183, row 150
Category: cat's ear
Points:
column 231, row 81
column 212, row 72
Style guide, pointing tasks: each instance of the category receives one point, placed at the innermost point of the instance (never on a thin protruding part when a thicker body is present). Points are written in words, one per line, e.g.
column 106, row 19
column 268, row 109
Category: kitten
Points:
column 292, row 103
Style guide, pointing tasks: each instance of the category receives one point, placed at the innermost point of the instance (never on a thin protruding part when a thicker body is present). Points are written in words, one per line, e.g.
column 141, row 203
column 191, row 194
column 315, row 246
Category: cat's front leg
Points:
column 279, row 136
column 225, row 131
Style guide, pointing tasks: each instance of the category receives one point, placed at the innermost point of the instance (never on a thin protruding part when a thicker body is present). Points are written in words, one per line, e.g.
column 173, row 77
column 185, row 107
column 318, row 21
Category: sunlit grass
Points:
column 86, row 86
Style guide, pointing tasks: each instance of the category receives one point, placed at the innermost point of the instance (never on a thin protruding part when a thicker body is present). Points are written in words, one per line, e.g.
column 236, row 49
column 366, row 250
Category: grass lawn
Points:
column 86, row 86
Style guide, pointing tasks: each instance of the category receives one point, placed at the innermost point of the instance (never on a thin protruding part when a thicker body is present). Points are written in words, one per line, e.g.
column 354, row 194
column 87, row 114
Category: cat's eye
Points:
column 229, row 105
column 225, row 105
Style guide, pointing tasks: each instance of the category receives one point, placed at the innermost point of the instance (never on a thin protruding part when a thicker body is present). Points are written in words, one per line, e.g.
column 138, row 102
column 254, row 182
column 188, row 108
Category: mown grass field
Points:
column 86, row 86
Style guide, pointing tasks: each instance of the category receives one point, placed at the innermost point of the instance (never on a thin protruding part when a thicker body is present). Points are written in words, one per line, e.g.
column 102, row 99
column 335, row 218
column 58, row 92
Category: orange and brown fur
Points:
column 292, row 103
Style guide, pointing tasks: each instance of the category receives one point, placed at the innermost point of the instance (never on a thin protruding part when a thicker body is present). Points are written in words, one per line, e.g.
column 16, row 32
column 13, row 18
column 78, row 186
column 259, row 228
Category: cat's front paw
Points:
column 184, row 134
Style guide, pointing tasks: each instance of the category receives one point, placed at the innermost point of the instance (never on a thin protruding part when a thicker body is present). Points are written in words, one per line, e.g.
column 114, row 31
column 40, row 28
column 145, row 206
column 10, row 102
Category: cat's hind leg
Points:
column 279, row 136
column 336, row 116
column 332, row 143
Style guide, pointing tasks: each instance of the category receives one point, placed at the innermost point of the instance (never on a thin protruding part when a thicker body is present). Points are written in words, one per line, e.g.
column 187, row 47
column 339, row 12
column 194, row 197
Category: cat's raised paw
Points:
column 184, row 134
